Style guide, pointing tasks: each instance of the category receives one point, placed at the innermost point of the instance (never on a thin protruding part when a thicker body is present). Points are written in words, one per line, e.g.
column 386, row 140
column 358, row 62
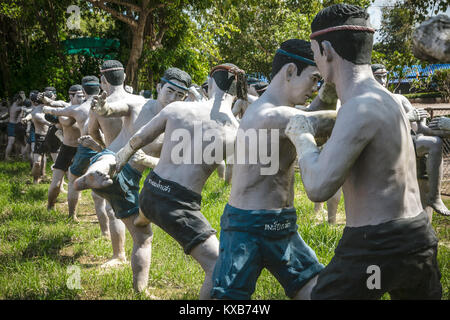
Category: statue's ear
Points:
column 290, row 71
column 158, row 88
column 328, row 50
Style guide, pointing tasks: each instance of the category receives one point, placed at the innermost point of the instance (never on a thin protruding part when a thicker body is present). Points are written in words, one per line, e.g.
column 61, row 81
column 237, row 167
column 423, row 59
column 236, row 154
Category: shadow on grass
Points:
column 20, row 193
column 14, row 169
column 43, row 248
column 50, row 248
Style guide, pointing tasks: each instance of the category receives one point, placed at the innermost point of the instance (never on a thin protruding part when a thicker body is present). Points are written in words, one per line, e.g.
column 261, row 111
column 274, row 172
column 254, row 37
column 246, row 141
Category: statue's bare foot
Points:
column 146, row 293
column 141, row 220
column 93, row 180
column 88, row 142
column 440, row 207
column 45, row 179
column 114, row 262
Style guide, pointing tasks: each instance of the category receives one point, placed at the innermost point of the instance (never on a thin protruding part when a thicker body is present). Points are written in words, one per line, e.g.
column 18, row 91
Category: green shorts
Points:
column 123, row 194
column 251, row 240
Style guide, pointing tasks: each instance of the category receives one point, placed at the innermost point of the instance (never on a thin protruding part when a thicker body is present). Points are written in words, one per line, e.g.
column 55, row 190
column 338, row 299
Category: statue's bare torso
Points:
column 15, row 113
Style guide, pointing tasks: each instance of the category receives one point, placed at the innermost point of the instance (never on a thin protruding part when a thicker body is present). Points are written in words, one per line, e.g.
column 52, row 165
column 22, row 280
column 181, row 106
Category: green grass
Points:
column 37, row 247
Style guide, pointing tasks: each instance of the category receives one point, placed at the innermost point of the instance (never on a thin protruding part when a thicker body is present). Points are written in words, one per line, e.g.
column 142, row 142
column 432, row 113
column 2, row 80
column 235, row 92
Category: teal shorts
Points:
column 11, row 129
column 251, row 240
column 82, row 160
column 123, row 194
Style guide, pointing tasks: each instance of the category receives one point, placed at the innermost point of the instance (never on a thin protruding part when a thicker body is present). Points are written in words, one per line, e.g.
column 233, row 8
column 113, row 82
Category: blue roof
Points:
column 416, row 71
column 259, row 76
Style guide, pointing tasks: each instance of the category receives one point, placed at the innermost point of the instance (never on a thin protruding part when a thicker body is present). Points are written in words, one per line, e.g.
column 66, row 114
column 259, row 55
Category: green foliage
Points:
column 247, row 33
column 195, row 35
column 31, row 55
column 423, row 9
column 422, row 95
column 442, row 80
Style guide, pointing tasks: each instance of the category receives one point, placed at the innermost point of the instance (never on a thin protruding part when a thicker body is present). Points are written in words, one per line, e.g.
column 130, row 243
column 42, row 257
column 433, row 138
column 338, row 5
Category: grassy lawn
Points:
column 38, row 247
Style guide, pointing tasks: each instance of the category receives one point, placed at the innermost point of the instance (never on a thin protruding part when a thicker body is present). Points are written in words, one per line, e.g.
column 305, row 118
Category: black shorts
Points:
column 176, row 210
column 398, row 257
column 51, row 140
column 20, row 131
column 39, row 144
column 65, row 156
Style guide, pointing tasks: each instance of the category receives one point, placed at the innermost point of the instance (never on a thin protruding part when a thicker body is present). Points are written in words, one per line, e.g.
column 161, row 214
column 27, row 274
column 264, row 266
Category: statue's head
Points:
column 76, row 94
column 174, row 86
column 230, row 79
column 27, row 103
column 341, row 31
column 112, row 72
column 19, row 97
column 34, row 97
column 380, row 73
column 91, row 85
column 50, row 92
column 294, row 69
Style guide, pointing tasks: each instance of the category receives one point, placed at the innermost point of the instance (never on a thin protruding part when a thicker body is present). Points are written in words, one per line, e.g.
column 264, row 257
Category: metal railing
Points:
column 445, row 182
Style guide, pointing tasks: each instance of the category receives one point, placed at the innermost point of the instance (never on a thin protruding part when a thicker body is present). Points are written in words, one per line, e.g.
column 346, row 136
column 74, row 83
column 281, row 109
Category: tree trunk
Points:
column 135, row 54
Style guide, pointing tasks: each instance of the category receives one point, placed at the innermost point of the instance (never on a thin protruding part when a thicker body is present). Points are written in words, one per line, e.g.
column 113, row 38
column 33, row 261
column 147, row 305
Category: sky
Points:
column 375, row 13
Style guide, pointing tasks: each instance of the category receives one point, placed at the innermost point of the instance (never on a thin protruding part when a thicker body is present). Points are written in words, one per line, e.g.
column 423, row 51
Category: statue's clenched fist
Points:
column 43, row 99
column 417, row 114
column 298, row 125
column 441, row 123
column 99, row 105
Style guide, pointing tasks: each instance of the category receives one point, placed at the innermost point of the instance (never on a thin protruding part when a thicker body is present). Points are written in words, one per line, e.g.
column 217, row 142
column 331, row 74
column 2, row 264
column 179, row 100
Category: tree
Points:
column 31, row 55
column 148, row 22
column 397, row 26
column 247, row 32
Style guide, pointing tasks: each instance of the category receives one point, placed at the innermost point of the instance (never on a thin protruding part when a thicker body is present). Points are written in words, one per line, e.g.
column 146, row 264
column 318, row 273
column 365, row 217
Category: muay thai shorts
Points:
column 82, row 160
column 65, row 157
column 123, row 194
column 398, row 257
column 11, row 129
column 176, row 210
column 251, row 240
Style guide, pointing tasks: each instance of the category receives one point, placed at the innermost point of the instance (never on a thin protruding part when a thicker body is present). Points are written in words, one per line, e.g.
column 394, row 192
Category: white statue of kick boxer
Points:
column 122, row 190
column 258, row 226
column 371, row 155
column 71, row 133
column 15, row 112
column 171, row 196
column 80, row 163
